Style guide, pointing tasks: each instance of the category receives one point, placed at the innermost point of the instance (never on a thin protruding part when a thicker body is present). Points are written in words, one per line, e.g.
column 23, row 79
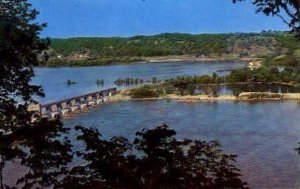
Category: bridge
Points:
column 64, row 107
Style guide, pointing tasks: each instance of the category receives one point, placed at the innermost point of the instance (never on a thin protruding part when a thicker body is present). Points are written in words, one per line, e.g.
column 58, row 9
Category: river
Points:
column 263, row 135
column 54, row 80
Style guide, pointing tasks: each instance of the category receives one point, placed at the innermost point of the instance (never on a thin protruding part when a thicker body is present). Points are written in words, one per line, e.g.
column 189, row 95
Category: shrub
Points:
column 145, row 91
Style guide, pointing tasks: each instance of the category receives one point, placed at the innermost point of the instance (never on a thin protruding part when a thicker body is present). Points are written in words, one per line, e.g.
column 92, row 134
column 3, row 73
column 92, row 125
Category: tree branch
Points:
column 283, row 19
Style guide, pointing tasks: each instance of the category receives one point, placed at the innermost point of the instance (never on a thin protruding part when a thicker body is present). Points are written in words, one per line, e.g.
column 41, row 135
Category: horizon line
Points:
column 151, row 35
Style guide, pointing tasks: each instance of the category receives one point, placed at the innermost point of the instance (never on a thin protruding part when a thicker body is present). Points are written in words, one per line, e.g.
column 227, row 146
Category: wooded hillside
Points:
column 100, row 50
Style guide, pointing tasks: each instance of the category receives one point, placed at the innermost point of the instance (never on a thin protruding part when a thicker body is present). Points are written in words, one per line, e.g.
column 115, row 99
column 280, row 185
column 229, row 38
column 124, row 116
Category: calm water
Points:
column 263, row 135
column 235, row 89
column 54, row 80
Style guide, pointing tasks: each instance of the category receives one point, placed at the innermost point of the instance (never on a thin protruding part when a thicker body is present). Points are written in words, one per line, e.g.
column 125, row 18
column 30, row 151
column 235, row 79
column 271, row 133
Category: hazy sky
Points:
column 69, row 18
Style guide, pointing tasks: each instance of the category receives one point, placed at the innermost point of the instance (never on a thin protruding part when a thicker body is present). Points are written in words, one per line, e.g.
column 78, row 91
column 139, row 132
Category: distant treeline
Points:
column 105, row 50
column 157, row 45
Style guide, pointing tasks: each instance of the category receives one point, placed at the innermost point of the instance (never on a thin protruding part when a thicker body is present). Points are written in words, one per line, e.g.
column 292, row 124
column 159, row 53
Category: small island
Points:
column 246, row 84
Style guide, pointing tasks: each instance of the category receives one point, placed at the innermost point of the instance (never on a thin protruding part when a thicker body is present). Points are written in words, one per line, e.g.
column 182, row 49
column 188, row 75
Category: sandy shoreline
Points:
column 164, row 59
column 193, row 58
column 123, row 96
column 246, row 96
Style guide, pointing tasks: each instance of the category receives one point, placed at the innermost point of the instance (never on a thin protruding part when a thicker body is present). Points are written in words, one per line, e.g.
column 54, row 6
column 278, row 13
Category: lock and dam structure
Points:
column 63, row 108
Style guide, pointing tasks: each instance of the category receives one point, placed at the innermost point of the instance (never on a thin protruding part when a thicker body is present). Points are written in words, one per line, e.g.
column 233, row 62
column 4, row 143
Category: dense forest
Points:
column 100, row 50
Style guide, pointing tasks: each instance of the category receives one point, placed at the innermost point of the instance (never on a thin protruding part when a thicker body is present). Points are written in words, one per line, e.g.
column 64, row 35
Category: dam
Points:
column 63, row 108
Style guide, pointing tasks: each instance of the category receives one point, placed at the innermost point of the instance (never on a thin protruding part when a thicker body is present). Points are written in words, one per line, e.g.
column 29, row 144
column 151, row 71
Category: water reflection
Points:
column 235, row 89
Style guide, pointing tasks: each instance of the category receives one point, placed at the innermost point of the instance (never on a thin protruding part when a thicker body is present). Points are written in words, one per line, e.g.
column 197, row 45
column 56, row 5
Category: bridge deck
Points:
column 110, row 90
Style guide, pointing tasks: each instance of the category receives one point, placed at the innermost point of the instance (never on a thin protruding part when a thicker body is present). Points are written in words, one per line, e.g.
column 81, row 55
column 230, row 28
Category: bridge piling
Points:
column 64, row 107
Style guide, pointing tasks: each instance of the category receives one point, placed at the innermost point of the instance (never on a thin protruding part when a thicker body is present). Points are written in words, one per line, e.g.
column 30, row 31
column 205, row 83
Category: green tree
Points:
column 155, row 159
column 20, row 45
column 287, row 10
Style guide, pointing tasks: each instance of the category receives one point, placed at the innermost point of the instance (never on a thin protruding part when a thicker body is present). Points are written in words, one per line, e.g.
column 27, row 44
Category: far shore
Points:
column 155, row 59
column 192, row 58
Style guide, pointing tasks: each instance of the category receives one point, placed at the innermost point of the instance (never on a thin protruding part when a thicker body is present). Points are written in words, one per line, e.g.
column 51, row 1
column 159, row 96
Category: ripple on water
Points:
column 263, row 135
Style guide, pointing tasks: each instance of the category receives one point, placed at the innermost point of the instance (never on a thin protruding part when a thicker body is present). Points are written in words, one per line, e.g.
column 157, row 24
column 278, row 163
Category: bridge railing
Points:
column 63, row 107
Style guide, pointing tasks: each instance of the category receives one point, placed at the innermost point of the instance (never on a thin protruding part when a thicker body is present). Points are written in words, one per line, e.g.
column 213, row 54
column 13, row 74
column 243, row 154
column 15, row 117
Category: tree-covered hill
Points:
column 100, row 50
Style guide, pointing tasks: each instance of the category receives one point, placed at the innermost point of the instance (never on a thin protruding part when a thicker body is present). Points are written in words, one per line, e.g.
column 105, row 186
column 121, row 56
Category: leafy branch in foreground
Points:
column 36, row 144
column 155, row 159
column 46, row 154
column 287, row 10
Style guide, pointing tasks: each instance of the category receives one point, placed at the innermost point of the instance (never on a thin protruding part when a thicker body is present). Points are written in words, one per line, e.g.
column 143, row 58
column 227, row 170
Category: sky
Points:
column 74, row 18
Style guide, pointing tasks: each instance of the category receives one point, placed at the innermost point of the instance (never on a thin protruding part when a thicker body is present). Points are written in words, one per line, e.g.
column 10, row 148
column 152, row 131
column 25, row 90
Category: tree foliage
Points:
column 157, row 45
column 19, row 45
column 144, row 91
column 155, row 159
column 262, row 79
column 34, row 143
column 85, row 51
column 287, row 10
column 244, row 75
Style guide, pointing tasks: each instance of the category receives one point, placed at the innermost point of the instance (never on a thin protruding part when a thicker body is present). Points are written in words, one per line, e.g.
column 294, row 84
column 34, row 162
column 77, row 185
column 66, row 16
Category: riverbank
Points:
column 193, row 58
column 143, row 60
column 244, row 96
